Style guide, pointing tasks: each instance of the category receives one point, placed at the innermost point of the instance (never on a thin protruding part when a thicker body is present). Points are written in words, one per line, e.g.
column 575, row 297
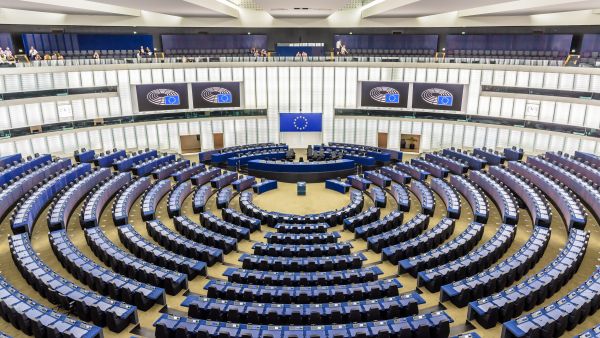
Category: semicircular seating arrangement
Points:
column 152, row 244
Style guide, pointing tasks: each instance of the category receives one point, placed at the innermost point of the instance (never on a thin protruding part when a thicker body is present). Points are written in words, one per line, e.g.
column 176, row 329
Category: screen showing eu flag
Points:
column 300, row 122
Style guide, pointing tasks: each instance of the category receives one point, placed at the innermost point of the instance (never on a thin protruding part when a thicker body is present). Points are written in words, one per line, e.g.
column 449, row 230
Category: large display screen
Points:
column 167, row 96
column 300, row 122
column 216, row 94
column 437, row 96
column 384, row 94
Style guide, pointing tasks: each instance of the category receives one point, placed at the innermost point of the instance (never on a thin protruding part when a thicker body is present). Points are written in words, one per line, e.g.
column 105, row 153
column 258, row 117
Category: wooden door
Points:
column 190, row 143
column 382, row 140
column 218, row 140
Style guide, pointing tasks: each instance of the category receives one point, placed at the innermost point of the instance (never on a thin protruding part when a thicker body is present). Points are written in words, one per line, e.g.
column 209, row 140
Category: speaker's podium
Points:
column 301, row 188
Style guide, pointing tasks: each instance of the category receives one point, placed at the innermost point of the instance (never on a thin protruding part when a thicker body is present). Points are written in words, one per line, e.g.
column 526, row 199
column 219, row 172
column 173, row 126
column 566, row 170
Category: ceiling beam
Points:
column 511, row 6
column 90, row 6
column 377, row 7
column 221, row 6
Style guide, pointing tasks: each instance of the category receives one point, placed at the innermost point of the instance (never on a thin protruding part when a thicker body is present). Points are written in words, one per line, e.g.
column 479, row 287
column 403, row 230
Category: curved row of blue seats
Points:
column 152, row 253
column 401, row 195
column 475, row 162
column 126, row 197
column 302, row 295
column 227, row 153
column 36, row 320
column 61, row 209
column 166, row 170
column 152, row 196
column 131, row 266
column 585, row 190
column 588, row 171
column 390, row 221
column 474, row 196
column 432, row 325
column 330, row 217
column 511, row 302
column 84, row 156
column 242, row 160
column 303, row 314
column 502, row 197
column 352, row 157
column 18, row 169
column 424, row 195
column 204, row 177
column 313, row 228
column 434, row 169
column 475, row 261
column 147, row 167
column 9, row 160
column 396, row 175
column 536, row 204
column 414, row 171
column 492, row 157
column 380, row 155
column 107, row 159
column 27, row 212
column 378, row 178
column 587, row 157
column 457, row 247
column 420, row 244
column 243, row 183
column 379, row 197
column 406, row 231
column 449, row 196
column 264, row 186
column 176, row 197
column 571, row 210
column 364, row 217
column 302, row 239
column 96, row 202
column 98, row 278
column 359, row 182
column 297, row 250
column 223, row 180
column 224, row 196
column 562, row 315
column 318, row 278
column 186, row 173
column 203, row 235
column 455, row 166
column 182, row 245
column 591, row 333
column 238, row 218
column 212, row 222
column 19, row 187
column 88, row 305
column 500, row 276
column 513, row 153
column 126, row 163
column 200, row 198
column 393, row 154
column 297, row 264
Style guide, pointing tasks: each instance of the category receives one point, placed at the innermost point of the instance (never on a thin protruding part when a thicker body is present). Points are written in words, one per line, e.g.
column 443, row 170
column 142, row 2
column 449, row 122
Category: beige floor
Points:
column 284, row 199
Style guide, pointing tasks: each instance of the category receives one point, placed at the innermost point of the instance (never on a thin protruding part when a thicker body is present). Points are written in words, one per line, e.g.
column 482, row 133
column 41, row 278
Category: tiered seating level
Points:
column 299, row 281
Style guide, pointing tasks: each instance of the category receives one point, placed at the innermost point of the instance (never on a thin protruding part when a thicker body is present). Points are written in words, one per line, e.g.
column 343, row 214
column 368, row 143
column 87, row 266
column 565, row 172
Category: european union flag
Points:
column 224, row 98
column 172, row 100
column 392, row 98
column 300, row 122
column 444, row 100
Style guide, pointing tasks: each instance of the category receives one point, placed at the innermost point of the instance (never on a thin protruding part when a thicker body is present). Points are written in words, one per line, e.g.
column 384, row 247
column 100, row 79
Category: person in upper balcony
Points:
column 148, row 51
column 96, row 55
column 33, row 52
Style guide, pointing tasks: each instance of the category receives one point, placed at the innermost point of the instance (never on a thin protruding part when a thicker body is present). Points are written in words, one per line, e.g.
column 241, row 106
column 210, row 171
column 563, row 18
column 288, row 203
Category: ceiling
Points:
column 301, row 13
